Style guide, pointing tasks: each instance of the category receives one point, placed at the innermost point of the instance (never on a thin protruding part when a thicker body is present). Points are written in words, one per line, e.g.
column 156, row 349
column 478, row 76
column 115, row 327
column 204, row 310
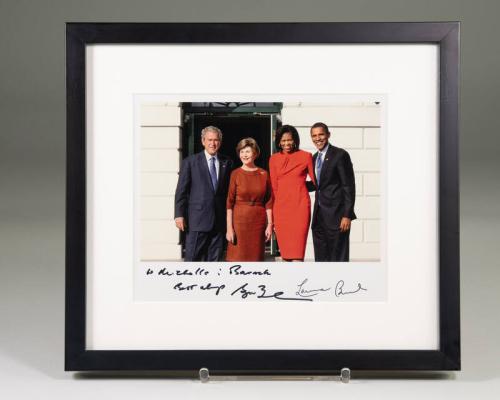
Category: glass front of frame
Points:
column 144, row 124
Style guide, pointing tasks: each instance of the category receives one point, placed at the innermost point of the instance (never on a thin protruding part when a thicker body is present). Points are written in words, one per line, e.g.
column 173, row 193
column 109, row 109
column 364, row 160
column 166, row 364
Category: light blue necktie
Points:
column 213, row 173
column 319, row 164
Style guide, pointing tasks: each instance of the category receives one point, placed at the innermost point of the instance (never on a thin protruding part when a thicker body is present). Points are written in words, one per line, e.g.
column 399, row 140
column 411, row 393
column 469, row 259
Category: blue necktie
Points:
column 213, row 173
column 319, row 163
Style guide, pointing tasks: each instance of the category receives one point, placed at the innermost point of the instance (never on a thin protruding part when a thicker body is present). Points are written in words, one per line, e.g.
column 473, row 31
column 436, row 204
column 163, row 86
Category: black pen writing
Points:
column 182, row 288
column 238, row 270
column 340, row 291
column 209, row 286
column 303, row 292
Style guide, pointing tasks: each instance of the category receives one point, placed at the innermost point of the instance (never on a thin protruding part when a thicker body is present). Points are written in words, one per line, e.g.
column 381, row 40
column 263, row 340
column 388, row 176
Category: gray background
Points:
column 32, row 171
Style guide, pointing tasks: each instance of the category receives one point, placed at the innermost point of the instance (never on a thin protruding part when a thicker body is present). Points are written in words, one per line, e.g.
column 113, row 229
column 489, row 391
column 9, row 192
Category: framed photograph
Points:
column 262, row 198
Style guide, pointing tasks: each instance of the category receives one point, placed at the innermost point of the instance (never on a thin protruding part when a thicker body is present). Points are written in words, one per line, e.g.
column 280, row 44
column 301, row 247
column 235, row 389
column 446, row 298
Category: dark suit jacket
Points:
column 337, row 189
column 195, row 199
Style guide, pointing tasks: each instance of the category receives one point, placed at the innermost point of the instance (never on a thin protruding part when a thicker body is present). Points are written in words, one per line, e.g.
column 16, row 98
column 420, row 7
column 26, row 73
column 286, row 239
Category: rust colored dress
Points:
column 249, row 197
column 292, row 204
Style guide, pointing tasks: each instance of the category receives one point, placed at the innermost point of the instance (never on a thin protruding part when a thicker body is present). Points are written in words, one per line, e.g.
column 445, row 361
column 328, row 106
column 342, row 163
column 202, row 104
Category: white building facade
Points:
column 355, row 127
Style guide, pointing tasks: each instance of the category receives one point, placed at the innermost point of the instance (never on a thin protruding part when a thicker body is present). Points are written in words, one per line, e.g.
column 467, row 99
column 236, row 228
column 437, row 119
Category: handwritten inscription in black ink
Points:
column 182, row 288
column 185, row 272
column 245, row 293
column 164, row 271
column 238, row 270
column 233, row 270
column 198, row 271
column 303, row 292
column 209, row 286
column 254, row 288
column 340, row 291
column 277, row 295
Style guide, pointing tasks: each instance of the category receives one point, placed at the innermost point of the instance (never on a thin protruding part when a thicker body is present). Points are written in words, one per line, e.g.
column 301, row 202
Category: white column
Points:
column 160, row 157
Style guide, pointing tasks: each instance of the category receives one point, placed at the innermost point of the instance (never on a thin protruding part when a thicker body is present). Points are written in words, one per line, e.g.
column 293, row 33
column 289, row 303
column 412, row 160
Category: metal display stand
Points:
column 205, row 377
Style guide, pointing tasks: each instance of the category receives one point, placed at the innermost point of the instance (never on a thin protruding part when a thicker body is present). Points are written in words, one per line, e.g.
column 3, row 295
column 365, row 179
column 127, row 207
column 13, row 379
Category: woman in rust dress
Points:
column 249, row 207
column 292, row 204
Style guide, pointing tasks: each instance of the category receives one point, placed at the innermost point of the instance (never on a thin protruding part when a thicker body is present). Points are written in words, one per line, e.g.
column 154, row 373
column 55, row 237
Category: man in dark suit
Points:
column 200, row 199
column 335, row 195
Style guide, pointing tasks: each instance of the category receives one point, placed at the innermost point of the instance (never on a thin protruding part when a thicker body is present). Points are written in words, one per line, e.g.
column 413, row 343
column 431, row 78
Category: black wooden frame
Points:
column 77, row 358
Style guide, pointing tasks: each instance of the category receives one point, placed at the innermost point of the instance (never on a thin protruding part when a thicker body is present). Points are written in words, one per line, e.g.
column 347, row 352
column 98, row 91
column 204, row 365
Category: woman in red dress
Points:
column 292, row 204
column 249, row 205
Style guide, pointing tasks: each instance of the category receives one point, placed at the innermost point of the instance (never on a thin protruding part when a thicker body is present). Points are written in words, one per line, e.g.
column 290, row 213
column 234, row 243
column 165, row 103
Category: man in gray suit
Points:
column 200, row 199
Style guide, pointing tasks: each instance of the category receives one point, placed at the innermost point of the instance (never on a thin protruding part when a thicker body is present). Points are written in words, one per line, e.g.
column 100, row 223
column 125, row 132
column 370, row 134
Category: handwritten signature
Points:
column 262, row 293
column 340, row 291
column 303, row 292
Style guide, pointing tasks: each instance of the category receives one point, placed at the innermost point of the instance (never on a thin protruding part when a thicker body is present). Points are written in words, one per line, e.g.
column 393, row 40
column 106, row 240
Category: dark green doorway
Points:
column 236, row 121
column 235, row 128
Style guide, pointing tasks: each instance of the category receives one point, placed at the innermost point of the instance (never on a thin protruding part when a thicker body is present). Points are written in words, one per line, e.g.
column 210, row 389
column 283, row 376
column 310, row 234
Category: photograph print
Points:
column 237, row 187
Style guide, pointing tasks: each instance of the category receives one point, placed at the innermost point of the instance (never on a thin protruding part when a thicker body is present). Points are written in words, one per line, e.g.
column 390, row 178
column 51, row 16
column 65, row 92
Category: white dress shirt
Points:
column 323, row 155
column 208, row 157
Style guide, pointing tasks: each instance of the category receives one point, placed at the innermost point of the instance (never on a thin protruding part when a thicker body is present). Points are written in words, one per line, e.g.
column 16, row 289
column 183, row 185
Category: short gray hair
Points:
column 211, row 129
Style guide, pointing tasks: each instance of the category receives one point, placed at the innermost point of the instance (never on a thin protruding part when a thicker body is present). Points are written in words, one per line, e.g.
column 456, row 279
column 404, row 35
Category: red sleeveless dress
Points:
column 292, row 204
